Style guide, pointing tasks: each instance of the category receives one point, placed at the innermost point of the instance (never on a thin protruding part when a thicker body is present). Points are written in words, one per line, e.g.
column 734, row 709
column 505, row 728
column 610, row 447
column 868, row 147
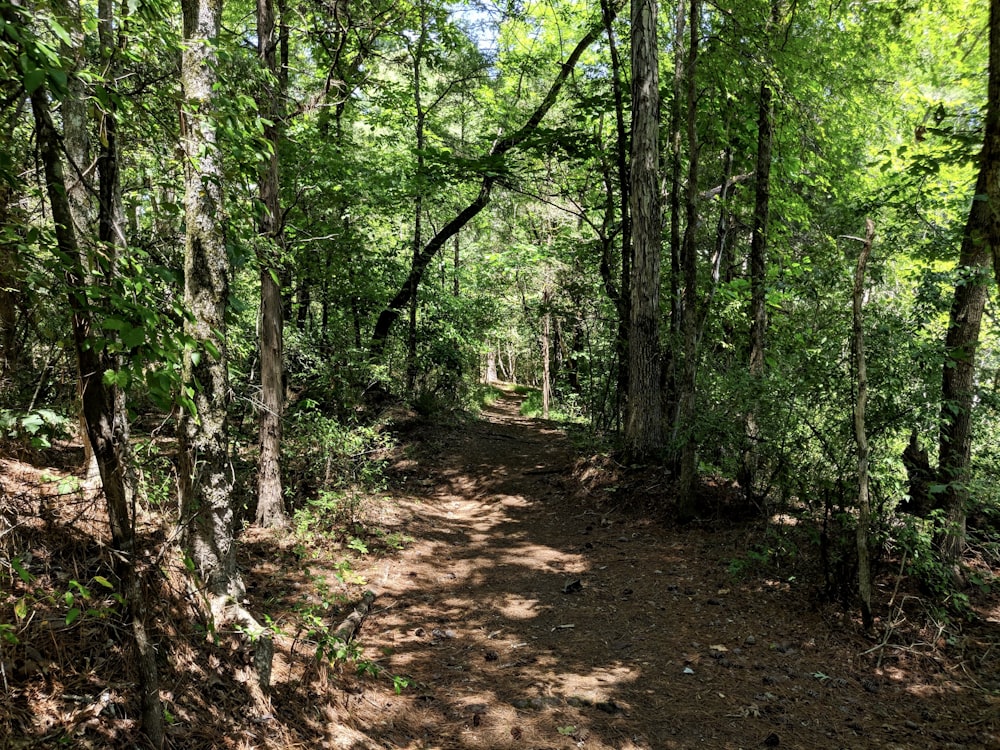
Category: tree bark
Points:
column 418, row 199
column 205, row 476
column 76, row 147
column 546, row 346
column 758, row 279
column 860, row 434
column 687, row 392
column 270, row 496
column 205, row 472
column 676, row 164
column 643, row 424
column 620, row 296
column 104, row 431
column 980, row 247
column 501, row 147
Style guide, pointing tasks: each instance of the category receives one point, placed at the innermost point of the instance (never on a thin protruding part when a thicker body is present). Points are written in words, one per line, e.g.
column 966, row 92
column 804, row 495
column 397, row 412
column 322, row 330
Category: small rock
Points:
column 912, row 725
column 749, row 640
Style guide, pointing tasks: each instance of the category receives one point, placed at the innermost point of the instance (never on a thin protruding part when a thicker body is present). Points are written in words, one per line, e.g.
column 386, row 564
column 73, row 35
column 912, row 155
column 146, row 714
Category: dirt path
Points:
column 528, row 618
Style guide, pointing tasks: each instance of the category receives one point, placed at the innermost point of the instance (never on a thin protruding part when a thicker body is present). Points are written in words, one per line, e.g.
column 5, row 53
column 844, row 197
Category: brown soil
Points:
column 524, row 612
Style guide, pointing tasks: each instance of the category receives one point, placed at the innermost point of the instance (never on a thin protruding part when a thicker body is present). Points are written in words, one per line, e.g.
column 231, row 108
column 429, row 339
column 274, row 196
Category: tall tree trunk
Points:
column 676, row 164
column 76, row 147
column 758, row 279
column 546, row 346
column 643, row 425
column 206, row 485
column 111, row 235
column 620, row 297
column 501, row 147
column 418, row 199
column 687, row 392
column 103, row 429
column 980, row 247
column 860, row 433
column 270, row 496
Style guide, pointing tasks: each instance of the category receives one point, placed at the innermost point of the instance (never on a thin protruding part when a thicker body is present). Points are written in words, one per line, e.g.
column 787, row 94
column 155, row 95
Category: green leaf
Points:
column 33, row 79
column 23, row 574
column 69, row 598
column 103, row 582
column 21, row 608
column 114, row 324
column 59, row 81
column 72, row 615
column 133, row 337
column 358, row 545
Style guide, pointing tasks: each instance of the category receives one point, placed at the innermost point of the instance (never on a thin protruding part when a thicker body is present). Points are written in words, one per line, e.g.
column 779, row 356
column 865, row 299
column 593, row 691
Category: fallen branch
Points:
column 350, row 627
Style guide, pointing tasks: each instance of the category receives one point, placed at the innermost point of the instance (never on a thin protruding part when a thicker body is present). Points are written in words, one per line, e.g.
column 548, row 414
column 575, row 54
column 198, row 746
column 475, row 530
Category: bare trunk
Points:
column 270, row 496
column 546, row 344
column 758, row 278
column 980, row 247
column 643, row 424
column 687, row 392
column 676, row 187
column 76, row 147
column 104, row 431
column 620, row 297
column 205, row 477
column 418, row 202
column 860, row 434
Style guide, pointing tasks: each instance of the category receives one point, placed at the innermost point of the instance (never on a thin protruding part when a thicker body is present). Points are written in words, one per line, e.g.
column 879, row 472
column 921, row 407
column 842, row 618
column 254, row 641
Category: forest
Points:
column 334, row 331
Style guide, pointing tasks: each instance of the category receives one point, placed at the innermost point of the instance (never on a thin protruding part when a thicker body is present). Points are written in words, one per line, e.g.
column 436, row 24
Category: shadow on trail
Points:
column 527, row 619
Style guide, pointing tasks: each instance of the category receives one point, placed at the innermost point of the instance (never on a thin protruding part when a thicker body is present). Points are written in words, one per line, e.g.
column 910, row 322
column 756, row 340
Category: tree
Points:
column 643, row 425
column 104, row 425
column 270, row 496
column 758, row 262
column 493, row 165
column 980, row 248
column 687, row 390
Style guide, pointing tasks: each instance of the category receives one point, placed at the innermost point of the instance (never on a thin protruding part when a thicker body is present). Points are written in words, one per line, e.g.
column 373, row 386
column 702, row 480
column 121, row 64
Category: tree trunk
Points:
column 980, row 247
column 418, row 200
column 758, row 278
column 76, row 147
column 687, row 392
column 104, row 431
column 270, row 496
column 620, row 297
column 676, row 164
column 643, row 424
column 205, row 476
column 860, row 434
column 501, row 147
column 546, row 342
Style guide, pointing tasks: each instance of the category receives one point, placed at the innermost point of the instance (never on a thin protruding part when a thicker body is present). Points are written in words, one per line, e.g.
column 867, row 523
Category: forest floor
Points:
column 516, row 608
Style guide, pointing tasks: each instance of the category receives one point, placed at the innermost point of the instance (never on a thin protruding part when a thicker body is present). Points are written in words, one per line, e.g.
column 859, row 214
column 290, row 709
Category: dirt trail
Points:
column 528, row 618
